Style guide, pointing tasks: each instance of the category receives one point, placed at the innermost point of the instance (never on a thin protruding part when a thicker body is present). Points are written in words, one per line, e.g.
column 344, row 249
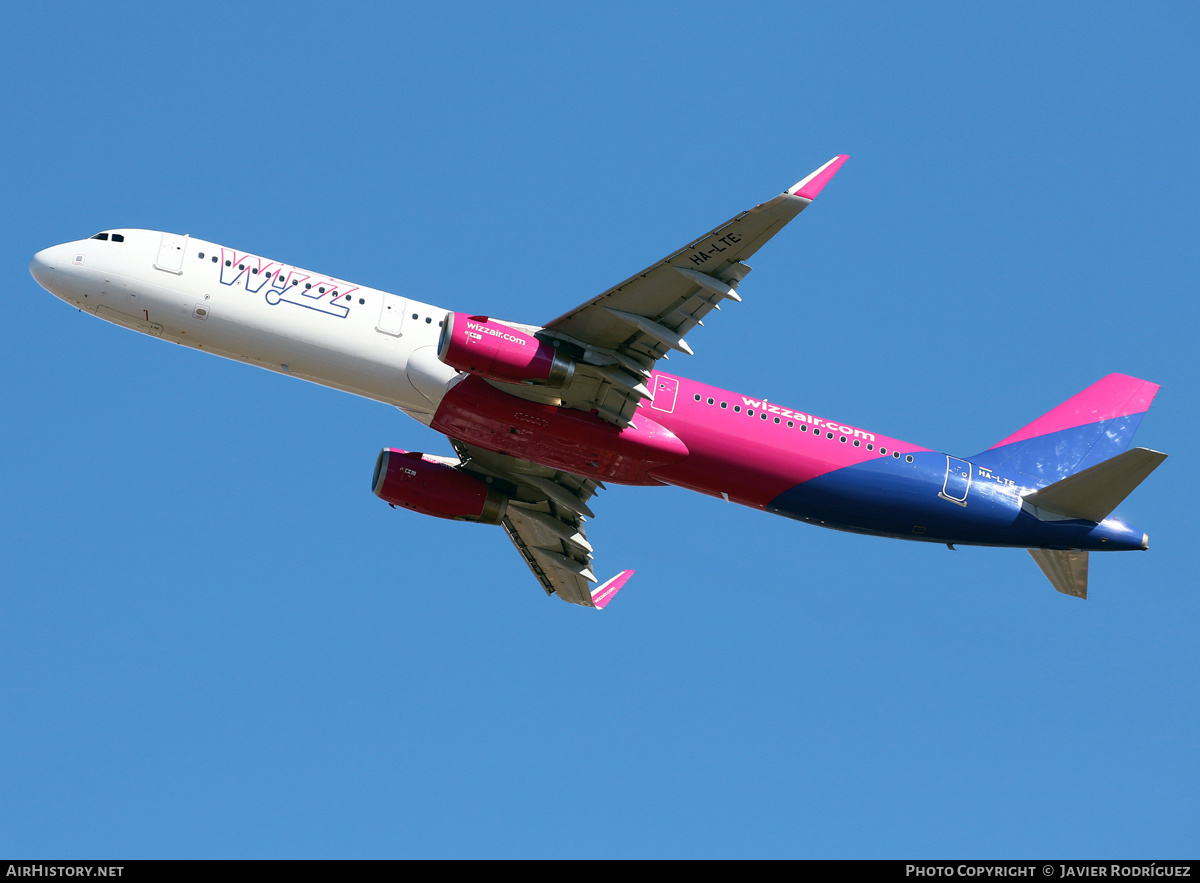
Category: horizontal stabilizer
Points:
column 1067, row 571
column 1095, row 492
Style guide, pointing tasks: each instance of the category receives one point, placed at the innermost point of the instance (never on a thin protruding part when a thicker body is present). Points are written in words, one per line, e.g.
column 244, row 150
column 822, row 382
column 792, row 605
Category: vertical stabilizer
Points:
column 1067, row 571
column 1086, row 429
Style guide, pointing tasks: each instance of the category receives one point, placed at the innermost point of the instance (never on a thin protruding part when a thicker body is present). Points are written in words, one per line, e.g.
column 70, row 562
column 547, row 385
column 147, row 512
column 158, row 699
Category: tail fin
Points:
column 1086, row 429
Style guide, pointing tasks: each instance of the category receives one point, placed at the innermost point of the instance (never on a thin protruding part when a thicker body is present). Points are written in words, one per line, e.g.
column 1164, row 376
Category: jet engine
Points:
column 495, row 351
column 432, row 486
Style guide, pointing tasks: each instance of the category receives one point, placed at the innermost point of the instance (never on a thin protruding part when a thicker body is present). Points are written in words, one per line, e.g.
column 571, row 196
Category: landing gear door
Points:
column 391, row 315
column 958, row 481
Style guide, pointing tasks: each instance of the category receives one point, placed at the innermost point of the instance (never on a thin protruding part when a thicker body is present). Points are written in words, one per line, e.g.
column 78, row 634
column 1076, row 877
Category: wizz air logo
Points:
column 282, row 284
column 766, row 407
column 474, row 329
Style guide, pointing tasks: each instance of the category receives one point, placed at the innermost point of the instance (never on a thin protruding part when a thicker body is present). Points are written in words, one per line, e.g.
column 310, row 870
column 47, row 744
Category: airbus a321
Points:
column 540, row 417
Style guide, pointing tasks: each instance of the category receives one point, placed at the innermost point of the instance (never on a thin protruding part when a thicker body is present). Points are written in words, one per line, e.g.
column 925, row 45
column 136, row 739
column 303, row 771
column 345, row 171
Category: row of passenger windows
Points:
column 737, row 409
column 103, row 237
column 320, row 288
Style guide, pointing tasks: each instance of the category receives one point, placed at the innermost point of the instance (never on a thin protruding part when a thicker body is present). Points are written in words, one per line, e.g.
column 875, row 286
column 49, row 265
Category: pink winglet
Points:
column 1115, row 396
column 812, row 185
column 604, row 592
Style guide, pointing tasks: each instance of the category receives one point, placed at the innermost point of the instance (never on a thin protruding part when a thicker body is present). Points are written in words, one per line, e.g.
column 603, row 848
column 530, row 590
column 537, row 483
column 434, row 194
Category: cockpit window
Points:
column 117, row 237
column 103, row 236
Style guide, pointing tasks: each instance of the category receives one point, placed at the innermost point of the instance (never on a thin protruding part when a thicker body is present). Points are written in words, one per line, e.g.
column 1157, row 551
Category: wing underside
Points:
column 625, row 330
column 545, row 519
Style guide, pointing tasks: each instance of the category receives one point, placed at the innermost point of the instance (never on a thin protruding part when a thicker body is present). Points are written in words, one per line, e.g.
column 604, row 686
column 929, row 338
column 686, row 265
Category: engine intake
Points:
column 495, row 351
column 428, row 485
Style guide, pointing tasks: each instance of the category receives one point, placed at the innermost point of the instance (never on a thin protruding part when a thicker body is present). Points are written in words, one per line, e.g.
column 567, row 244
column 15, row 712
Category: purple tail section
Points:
column 1086, row 429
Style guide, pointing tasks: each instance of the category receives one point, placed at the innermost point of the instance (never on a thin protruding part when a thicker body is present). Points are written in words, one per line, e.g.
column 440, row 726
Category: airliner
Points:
column 541, row 417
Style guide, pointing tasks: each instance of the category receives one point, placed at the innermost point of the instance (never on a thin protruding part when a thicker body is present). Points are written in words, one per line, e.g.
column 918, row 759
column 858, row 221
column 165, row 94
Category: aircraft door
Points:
column 391, row 315
column 170, row 253
column 958, row 481
column 665, row 390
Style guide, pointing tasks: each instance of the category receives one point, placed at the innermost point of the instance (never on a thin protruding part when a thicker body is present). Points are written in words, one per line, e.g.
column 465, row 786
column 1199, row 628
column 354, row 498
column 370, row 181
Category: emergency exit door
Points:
column 391, row 315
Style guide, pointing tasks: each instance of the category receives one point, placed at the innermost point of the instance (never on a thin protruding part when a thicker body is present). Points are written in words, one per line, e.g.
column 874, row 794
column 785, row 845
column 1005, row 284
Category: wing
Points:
column 625, row 330
column 545, row 520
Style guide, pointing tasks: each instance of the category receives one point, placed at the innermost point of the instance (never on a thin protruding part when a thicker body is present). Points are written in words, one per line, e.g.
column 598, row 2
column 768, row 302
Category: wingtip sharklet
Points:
column 604, row 592
column 814, row 183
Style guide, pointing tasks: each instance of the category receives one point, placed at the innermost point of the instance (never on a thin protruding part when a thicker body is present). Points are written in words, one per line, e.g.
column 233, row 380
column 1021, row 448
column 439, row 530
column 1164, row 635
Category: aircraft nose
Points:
column 42, row 266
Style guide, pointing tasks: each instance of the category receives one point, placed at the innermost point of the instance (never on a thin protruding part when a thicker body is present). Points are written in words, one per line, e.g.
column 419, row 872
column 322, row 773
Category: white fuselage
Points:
column 244, row 307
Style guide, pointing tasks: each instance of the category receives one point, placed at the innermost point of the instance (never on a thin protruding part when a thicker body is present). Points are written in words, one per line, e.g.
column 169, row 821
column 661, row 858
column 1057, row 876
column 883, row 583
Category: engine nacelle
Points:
column 495, row 351
column 430, row 486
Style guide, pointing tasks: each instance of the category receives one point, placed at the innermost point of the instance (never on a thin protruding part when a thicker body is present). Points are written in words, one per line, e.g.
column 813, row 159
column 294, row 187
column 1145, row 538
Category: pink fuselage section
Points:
column 691, row 435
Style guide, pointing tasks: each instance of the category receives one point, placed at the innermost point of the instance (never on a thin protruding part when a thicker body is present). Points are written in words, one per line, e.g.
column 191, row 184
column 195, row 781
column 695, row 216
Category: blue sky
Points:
column 217, row 643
